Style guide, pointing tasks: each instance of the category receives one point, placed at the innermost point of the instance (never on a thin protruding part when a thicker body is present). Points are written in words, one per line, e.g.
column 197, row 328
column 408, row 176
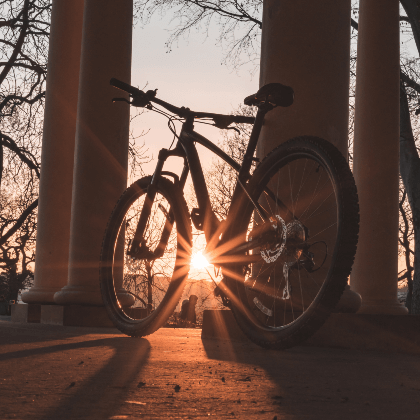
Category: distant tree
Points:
column 410, row 174
column 24, row 40
column 239, row 24
column 24, row 31
column 12, row 282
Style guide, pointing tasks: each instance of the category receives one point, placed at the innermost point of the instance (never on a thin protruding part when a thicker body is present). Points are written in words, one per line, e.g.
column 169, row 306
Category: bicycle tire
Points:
column 288, row 322
column 156, row 286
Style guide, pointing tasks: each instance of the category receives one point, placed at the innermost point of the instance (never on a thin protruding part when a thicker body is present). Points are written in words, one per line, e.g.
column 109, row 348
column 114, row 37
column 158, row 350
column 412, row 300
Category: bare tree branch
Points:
column 19, row 222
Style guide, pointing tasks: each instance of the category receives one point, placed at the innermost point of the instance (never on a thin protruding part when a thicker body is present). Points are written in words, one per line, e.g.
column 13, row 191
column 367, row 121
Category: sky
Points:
column 191, row 75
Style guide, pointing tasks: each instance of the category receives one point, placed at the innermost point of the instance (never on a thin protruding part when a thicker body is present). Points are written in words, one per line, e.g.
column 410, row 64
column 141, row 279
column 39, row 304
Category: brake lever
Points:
column 120, row 100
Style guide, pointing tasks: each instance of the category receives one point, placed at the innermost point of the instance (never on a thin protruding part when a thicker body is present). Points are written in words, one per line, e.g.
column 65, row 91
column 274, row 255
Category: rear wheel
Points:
column 140, row 293
column 301, row 257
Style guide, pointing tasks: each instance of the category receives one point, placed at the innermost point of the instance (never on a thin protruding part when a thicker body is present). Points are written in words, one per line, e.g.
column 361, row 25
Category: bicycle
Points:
column 285, row 249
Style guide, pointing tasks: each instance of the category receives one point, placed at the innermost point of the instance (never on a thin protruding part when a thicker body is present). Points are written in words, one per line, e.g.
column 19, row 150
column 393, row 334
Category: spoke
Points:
column 323, row 211
column 312, row 278
column 313, row 197
column 291, row 193
column 302, row 183
column 291, row 306
column 325, row 199
column 268, row 202
column 301, row 292
column 277, row 193
column 328, row 227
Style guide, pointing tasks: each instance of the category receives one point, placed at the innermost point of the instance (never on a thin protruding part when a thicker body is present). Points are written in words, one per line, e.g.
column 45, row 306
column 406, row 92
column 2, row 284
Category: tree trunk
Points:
column 410, row 174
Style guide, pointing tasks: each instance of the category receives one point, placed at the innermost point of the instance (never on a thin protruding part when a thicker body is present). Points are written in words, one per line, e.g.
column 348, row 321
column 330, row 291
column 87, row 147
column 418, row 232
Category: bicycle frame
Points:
column 186, row 149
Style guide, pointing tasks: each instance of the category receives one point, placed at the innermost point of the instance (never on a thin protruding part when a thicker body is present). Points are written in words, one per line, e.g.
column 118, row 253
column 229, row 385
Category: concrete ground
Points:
column 54, row 372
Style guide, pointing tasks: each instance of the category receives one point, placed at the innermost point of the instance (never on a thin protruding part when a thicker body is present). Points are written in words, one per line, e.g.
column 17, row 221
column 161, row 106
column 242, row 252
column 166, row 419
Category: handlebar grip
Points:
column 125, row 87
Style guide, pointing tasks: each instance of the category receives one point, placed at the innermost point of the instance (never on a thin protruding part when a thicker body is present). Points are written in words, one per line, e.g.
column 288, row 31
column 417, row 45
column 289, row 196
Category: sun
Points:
column 198, row 260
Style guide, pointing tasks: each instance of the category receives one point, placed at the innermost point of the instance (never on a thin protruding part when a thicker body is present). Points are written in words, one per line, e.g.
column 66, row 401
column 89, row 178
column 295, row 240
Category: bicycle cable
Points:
column 171, row 124
column 171, row 120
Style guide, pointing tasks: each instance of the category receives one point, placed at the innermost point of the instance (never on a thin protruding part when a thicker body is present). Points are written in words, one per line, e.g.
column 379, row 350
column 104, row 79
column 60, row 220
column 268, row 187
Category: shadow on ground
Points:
column 326, row 383
column 78, row 375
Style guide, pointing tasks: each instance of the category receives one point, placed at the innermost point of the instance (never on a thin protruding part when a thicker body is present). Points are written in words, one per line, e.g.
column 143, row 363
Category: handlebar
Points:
column 141, row 99
column 125, row 87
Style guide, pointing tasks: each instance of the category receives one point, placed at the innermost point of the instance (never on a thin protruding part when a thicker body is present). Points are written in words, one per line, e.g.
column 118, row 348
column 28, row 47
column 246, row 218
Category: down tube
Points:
column 211, row 222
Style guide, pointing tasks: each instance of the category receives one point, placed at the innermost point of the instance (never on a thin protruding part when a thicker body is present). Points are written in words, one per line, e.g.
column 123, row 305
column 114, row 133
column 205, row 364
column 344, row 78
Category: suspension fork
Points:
column 138, row 248
column 160, row 249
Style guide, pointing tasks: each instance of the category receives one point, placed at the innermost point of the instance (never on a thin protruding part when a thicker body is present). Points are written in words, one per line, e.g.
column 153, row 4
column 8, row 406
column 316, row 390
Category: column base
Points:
column 40, row 295
column 26, row 313
column 382, row 307
column 75, row 316
column 349, row 303
column 76, row 295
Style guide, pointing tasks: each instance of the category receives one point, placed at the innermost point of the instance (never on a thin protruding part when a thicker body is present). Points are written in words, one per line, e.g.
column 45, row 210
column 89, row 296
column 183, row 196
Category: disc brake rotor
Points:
column 271, row 255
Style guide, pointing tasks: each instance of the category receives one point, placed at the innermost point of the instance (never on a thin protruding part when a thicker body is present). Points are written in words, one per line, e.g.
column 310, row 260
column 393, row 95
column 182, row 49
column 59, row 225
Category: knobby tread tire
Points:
column 346, row 245
column 179, row 207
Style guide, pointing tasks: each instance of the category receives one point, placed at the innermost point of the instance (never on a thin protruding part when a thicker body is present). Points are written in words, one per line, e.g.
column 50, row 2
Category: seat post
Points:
column 253, row 140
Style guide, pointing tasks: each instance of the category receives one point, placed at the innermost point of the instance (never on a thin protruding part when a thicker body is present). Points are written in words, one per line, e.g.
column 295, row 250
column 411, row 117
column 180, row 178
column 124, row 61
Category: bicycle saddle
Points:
column 274, row 93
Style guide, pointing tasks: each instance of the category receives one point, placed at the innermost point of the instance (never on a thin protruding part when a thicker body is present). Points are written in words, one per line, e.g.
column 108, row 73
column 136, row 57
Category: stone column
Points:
column 376, row 157
column 306, row 45
column 101, row 152
column 55, row 190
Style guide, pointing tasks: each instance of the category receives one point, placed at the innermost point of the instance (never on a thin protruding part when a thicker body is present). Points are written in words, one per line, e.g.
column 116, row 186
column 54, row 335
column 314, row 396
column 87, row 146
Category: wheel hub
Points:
column 272, row 250
column 277, row 238
column 295, row 239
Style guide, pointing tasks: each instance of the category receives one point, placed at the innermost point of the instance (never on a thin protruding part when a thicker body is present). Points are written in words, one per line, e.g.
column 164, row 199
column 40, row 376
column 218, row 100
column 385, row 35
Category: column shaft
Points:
column 312, row 55
column 376, row 156
column 101, row 153
column 306, row 45
column 52, row 243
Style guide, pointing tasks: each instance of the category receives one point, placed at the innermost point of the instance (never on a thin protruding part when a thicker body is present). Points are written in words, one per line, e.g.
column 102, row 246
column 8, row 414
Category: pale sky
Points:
column 191, row 75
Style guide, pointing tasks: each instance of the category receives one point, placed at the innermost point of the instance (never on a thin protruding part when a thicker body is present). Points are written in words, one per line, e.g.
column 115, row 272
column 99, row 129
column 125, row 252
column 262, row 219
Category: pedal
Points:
column 197, row 218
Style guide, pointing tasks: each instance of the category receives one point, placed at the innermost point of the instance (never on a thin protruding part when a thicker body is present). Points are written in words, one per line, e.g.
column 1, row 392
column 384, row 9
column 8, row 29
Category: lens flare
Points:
column 198, row 260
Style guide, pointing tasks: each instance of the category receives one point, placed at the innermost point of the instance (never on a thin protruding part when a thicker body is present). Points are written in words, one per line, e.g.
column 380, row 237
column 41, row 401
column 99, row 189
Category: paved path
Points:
column 52, row 372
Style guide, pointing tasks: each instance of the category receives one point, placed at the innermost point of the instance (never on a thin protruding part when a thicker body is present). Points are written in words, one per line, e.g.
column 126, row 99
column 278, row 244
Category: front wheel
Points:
column 140, row 292
column 301, row 254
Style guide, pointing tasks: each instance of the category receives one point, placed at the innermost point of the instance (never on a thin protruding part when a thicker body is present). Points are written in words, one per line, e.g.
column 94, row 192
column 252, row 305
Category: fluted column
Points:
column 306, row 45
column 376, row 156
column 101, row 152
column 55, row 190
